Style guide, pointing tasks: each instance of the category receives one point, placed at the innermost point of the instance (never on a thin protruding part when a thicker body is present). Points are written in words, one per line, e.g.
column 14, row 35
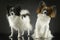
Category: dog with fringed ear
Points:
column 44, row 15
column 25, row 15
column 13, row 17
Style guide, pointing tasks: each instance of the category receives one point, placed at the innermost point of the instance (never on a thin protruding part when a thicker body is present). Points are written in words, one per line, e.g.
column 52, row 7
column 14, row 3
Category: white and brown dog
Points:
column 25, row 15
column 44, row 15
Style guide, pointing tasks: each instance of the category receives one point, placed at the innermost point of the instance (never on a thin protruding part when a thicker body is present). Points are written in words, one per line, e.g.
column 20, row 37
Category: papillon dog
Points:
column 13, row 17
column 44, row 15
column 19, row 19
column 25, row 15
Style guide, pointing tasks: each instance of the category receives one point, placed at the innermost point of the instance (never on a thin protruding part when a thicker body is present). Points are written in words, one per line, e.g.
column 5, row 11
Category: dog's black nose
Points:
column 12, row 14
column 45, row 12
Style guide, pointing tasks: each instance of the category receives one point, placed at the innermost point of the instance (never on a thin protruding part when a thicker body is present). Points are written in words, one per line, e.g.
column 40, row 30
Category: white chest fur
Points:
column 42, row 19
column 42, row 26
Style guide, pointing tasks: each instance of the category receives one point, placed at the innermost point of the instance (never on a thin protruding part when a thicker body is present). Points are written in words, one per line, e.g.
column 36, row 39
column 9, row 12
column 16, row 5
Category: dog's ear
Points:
column 38, row 10
column 53, row 14
column 8, row 7
column 18, row 8
column 41, row 5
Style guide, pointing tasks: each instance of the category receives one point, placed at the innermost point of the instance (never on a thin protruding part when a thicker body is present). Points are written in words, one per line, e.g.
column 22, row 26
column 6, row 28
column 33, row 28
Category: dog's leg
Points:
column 11, row 33
column 46, row 32
column 28, row 33
column 35, row 34
column 22, row 33
column 49, row 34
column 18, row 33
column 37, row 30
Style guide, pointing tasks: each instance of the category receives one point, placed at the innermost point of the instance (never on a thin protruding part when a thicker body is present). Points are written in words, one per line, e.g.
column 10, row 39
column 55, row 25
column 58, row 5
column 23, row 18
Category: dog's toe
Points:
column 19, row 36
column 28, row 35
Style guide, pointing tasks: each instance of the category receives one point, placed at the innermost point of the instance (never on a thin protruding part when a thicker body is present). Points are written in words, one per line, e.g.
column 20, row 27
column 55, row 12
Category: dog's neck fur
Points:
column 44, row 19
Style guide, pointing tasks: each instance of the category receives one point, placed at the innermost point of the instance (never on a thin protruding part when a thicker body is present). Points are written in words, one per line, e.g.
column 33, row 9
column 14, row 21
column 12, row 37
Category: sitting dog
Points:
column 13, row 17
column 25, row 15
column 44, row 15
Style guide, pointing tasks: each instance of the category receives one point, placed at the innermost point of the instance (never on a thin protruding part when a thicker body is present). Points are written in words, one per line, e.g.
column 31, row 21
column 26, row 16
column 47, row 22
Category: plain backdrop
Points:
column 31, row 5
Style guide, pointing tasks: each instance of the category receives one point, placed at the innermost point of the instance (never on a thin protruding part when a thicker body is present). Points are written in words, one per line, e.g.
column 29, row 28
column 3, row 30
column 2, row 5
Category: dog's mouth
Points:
column 12, row 13
column 44, row 12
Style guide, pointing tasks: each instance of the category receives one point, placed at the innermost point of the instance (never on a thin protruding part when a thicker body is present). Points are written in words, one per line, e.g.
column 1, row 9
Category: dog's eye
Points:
column 23, row 16
column 11, row 13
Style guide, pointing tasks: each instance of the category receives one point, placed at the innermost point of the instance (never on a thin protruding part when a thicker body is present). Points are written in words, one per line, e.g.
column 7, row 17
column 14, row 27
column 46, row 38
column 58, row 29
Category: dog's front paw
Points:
column 48, row 36
column 35, row 36
column 28, row 35
column 19, row 36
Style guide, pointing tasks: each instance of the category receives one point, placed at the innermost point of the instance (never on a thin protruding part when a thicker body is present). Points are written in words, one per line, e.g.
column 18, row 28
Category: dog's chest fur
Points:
column 13, row 20
column 26, row 19
column 43, row 19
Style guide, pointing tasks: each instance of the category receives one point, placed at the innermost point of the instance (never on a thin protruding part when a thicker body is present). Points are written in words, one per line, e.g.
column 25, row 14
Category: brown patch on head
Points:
column 53, row 13
column 48, row 10
column 41, row 6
